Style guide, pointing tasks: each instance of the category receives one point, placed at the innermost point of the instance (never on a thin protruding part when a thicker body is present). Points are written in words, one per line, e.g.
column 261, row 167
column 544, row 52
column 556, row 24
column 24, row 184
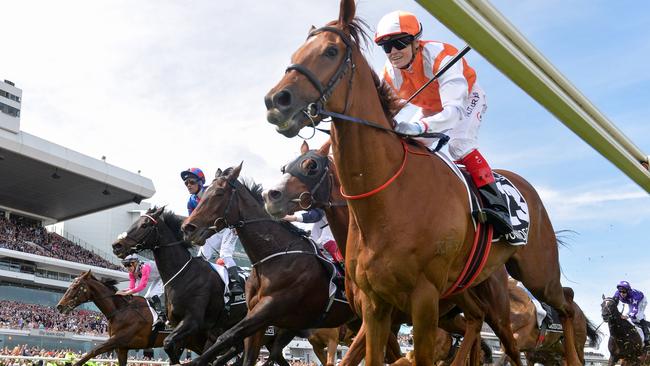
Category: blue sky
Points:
column 159, row 86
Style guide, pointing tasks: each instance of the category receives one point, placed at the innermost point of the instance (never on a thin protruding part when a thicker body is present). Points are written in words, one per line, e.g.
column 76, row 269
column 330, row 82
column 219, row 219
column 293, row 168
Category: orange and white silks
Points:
column 428, row 61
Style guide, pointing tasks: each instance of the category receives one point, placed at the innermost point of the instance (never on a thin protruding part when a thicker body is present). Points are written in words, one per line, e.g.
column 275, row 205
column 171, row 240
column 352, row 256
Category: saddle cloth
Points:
column 223, row 273
column 517, row 205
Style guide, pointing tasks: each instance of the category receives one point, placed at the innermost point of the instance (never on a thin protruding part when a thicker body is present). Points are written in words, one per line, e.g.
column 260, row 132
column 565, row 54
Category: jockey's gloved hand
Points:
column 410, row 128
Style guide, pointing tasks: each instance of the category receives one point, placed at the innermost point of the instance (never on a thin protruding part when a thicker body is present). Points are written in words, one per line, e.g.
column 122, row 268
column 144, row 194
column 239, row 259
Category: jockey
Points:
column 148, row 276
column 320, row 233
column 453, row 104
column 636, row 302
column 224, row 243
column 194, row 180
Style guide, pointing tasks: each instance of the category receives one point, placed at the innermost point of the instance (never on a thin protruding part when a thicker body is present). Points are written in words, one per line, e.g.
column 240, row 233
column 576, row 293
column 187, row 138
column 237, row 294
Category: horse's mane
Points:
column 256, row 189
column 110, row 283
column 174, row 223
column 390, row 102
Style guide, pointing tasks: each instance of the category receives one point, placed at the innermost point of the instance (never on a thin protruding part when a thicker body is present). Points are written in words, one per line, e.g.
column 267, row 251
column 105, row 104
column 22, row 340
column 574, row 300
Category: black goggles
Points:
column 398, row 43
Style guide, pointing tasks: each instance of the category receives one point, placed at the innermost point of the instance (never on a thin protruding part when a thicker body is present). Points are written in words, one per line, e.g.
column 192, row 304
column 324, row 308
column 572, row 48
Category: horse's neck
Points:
column 364, row 156
column 263, row 238
column 105, row 299
column 170, row 259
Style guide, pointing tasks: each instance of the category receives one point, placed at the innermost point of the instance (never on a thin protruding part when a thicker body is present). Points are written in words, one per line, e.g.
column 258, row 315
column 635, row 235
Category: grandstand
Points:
column 42, row 183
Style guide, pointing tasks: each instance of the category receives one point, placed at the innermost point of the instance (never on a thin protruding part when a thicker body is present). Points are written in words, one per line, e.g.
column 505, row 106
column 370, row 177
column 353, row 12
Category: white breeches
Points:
column 155, row 289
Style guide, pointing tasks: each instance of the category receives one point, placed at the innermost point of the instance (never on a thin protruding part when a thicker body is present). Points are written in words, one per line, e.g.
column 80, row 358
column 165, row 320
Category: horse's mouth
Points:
column 288, row 126
column 199, row 236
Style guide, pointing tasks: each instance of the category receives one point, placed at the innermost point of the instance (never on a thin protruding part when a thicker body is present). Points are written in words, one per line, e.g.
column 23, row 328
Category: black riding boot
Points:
column 162, row 318
column 496, row 208
column 645, row 327
column 233, row 279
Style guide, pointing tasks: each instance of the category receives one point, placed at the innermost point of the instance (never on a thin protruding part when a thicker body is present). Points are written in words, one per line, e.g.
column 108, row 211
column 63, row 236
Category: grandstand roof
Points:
column 55, row 183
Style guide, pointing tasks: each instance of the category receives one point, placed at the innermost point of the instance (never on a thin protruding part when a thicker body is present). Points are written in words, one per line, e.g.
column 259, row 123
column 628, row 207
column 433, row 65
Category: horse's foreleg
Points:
column 393, row 350
column 282, row 339
column 122, row 354
column 174, row 341
column 230, row 354
column 332, row 344
column 376, row 318
column 256, row 320
column 357, row 349
column 425, row 314
column 111, row 344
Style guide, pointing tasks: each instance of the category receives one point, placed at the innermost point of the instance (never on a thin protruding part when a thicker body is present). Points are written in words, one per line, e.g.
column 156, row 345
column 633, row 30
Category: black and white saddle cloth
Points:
column 517, row 205
column 551, row 322
column 518, row 209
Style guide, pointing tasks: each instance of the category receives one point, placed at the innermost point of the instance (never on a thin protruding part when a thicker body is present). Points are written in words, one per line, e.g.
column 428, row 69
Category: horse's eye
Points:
column 331, row 51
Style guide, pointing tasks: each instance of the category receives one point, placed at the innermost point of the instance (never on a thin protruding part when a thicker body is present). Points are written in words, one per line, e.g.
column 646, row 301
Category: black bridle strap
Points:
column 309, row 75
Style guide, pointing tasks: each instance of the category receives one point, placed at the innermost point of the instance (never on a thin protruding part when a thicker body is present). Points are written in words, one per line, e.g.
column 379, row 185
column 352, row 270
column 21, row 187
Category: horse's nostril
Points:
column 282, row 99
column 188, row 228
column 275, row 195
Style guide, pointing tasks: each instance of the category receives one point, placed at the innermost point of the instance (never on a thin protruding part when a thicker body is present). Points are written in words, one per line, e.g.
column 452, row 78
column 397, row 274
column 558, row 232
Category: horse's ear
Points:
column 325, row 149
column 234, row 172
column 304, row 147
column 218, row 173
column 346, row 13
column 311, row 29
column 603, row 296
column 158, row 211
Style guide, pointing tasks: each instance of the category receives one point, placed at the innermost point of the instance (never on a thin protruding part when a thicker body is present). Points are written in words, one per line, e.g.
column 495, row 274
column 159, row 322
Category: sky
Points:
column 159, row 86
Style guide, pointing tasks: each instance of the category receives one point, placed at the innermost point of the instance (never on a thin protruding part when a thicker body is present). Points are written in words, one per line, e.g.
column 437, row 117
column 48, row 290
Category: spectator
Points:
column 36, row 240
column 17, row 315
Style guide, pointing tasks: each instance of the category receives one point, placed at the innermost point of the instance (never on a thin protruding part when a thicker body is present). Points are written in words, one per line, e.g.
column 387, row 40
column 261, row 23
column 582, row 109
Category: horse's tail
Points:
column 560, row 238
column 592, row 333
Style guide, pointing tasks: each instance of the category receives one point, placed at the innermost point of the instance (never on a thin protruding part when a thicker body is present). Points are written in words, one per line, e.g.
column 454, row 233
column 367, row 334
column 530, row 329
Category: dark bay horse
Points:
column 549, row 350
column 311, row 180
column 289, row 285
column 410, row 230
column 194, row 293
column 129, row 318
column 625, row 343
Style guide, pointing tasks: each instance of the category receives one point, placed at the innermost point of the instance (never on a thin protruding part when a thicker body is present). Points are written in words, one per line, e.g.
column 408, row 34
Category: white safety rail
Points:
column 61, row 361
column 491, row 35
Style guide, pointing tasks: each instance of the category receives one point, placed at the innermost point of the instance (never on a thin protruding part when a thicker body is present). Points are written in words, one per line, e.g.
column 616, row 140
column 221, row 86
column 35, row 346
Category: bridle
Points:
column 144, row 241
column 224, row 218
column 315, row 109
column 318, row 184
column 607, row 316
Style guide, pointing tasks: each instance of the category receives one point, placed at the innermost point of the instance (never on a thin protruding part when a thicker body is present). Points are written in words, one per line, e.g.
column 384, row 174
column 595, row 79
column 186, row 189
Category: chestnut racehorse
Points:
column 289, row 285
column 411, row 230
column 547, row 350
column 311, row 180
column 129, row 318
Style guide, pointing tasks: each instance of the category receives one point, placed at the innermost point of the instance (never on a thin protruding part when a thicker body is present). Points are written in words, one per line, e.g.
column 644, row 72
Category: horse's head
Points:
column 609, row 309
column 142, row 234
column 306, row 182
column 78, row 293
column 218, row 209
column 320, row 75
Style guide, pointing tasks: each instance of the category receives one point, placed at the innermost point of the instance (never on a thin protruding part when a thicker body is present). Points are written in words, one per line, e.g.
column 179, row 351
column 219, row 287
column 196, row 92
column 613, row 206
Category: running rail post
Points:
column 491, row 35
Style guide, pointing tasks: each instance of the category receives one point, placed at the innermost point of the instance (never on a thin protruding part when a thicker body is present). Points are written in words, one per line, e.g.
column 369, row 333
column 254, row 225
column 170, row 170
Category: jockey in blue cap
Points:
column 194, row 180
column 636, row 302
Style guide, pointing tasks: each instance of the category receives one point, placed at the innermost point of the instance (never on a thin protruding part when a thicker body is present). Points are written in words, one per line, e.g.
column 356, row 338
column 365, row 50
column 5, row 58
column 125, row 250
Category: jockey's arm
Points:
column 311, row 216
column 453, row 93
column 144, row 280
